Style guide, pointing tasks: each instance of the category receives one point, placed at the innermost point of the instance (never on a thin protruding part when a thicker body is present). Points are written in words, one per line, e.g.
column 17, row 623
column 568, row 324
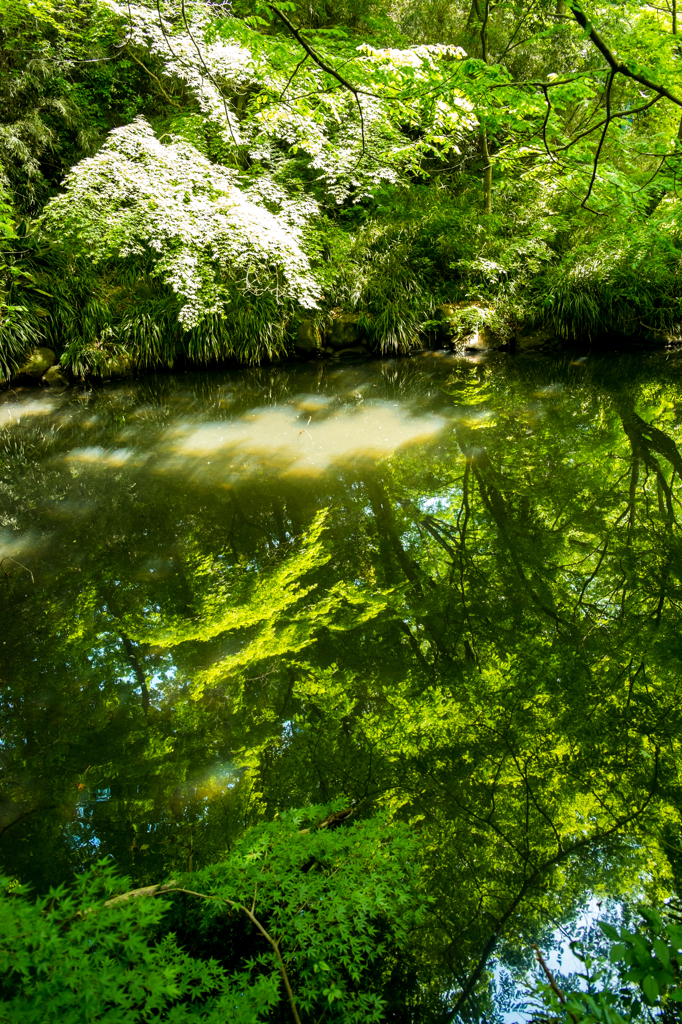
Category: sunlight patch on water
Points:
column 281, row 440
column 475, row 418
column 100, row 456
column 12, row 412
column 14, row 543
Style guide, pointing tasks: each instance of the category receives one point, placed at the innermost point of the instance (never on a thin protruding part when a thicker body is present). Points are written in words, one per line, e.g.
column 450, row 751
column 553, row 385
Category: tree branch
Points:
column 170, row 887
column 206, row 69
column 324, row 66
column 617, row 67
column 539, row 871
column 157, row 80
column 550, row 978
column 607, row 122
column 293, row 75
column 273, row 942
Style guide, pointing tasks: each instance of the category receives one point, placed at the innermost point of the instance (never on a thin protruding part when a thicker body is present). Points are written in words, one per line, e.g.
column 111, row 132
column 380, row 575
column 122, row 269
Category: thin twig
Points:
column 273, row 942
column 544, row 123
column 293, row 75
column 607, row 122
column 170, row 887
column 8, row 558
column 324, row 66
column 206, row 70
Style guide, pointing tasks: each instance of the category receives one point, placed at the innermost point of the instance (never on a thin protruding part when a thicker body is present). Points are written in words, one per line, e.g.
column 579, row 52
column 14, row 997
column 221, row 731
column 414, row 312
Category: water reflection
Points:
column 445, row 587
column 281, row 440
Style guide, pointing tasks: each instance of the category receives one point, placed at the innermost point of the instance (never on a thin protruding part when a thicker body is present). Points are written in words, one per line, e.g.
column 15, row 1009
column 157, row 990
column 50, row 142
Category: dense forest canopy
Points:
column 196, row 181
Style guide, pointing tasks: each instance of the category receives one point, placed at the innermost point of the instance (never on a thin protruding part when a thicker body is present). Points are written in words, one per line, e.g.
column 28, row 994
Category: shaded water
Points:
column 444, row 587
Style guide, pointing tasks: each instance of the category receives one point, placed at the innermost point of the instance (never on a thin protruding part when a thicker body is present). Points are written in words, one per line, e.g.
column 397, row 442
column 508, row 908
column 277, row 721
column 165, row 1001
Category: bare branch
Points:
column 206, row 69
column 550, row 978
column 273, row 942
column 594, row 128
column 134, row 894
column 171, row 887
column 293, row 75
column 607, row 122
column 157, row 80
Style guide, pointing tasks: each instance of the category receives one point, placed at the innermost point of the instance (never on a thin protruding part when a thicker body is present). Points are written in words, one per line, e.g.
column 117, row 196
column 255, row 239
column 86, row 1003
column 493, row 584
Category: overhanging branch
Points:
column 617, row 67
column 322, row 64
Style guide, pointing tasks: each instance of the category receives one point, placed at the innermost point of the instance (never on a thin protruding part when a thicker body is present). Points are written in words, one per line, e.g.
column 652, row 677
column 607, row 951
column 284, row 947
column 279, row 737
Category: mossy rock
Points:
column 37, row 363
column 307, row 336
column 445, row 313
column 345, row 331
column 56, row 376
column 537, row 339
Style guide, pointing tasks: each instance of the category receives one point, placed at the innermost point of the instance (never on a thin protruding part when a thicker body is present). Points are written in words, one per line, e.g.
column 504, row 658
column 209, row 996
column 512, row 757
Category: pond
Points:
column 446, row 587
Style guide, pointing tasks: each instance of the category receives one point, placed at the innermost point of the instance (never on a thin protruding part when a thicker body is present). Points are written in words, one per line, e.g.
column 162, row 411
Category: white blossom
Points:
column 139, row 196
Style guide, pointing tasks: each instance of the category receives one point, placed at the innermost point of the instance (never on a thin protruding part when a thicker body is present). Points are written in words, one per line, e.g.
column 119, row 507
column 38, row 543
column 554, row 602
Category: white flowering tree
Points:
column 221, row 200
column 170, row 207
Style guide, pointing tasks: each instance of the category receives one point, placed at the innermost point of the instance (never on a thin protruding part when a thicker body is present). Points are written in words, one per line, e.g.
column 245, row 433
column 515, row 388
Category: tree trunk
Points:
column 487, row 173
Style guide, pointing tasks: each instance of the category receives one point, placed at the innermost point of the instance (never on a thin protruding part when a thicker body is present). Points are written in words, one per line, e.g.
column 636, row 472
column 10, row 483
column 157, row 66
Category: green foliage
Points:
column 22, row 314
column 618, row 284
column 19, row 332
column 296, row 186
column 326, row 912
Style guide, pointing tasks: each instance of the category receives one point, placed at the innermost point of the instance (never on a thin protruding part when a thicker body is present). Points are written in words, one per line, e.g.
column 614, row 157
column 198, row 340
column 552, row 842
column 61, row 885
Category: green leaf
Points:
column 609, row 931
column 650, row 988
column 662, row 951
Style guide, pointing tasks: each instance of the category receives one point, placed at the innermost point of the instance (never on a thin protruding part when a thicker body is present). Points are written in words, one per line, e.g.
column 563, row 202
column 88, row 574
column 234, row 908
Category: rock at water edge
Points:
column 37, row 363
column 307, row 336
column 345, row 332
column 56, row 376
column 535, row 339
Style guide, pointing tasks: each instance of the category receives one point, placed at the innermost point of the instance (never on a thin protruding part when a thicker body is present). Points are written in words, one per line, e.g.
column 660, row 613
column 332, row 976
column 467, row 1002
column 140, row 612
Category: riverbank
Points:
column 345, row 342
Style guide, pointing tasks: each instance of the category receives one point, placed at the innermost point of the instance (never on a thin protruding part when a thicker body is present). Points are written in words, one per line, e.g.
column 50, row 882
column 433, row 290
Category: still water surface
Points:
column 445, row 587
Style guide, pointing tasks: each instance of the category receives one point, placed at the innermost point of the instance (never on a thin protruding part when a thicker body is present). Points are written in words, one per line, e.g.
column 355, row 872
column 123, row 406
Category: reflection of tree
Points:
column 481, row 636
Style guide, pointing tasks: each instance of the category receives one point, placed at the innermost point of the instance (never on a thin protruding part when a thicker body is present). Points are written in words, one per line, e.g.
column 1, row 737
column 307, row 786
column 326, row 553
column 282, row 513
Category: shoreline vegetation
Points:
column 344, row 342
column 191, row 183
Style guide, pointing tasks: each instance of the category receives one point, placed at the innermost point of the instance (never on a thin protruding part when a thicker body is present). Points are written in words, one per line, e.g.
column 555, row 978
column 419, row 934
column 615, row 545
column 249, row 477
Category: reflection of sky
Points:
column 203, row 436
column 559, row 956
column 14, row 543
column 290, row 441
column 100, row 456
column 325, row 421
column 13, row 412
